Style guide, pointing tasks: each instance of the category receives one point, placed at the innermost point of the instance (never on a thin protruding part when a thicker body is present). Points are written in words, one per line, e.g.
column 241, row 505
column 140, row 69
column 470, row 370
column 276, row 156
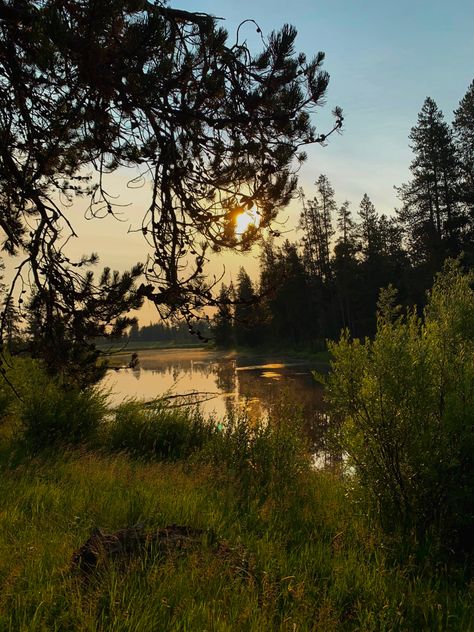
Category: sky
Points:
column 384, row 59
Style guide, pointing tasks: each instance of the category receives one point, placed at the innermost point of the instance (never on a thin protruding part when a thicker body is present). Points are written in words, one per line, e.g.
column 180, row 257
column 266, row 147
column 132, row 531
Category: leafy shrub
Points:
column 406, row 401
column 51, row 414
column 157, row 430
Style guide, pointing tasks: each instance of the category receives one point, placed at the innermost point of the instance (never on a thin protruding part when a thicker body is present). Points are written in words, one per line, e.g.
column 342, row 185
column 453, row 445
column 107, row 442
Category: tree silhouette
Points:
column 223, row 326
column 247, row 317
column 463, row 125
column 88, row 88
column 429, row 211
column 316, row 222
column 63, row 335
column 464, row 140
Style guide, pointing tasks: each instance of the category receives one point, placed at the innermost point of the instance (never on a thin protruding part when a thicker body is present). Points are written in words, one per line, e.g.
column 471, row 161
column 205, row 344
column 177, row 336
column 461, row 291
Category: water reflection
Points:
column 225, row 382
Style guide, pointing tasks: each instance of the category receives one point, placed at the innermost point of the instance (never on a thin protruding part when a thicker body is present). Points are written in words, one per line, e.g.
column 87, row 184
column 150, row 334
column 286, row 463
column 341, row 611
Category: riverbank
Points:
column 276, row 545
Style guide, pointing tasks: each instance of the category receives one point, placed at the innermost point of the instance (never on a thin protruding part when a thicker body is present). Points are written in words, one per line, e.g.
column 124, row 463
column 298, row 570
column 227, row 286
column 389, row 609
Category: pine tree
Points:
column 430, row 213
column 10, row 316
column 317, row 223
column 87, row 88
column 222, row 326
column 464, row 142
column 345, row 265
column 246, row 319
column 291, row 304
column 368, row 229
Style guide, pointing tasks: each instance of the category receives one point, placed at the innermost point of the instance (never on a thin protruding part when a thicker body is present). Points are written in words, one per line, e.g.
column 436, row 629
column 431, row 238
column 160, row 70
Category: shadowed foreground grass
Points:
column 283, row 547
column 302, row 561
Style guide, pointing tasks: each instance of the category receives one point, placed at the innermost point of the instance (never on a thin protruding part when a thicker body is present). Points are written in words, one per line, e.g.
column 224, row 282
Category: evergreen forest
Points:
column 328, row 277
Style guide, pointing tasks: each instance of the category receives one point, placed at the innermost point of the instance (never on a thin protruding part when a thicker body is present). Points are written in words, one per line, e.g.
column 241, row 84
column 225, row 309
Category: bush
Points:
column 406, row 403
column 52, row 414
column 157, row 430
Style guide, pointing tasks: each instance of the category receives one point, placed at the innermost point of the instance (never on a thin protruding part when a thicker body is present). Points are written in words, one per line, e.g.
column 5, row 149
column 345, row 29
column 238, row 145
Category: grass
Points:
column 318, row 568
column 284, row 547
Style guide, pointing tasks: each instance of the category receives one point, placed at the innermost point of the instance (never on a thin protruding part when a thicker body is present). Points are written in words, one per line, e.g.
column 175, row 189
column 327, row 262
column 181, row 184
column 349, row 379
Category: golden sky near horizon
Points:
column 120, row 243
column 120, row 249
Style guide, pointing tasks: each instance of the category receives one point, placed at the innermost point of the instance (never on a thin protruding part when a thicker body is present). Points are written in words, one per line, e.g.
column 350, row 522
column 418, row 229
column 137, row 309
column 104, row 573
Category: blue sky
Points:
column 384, row 59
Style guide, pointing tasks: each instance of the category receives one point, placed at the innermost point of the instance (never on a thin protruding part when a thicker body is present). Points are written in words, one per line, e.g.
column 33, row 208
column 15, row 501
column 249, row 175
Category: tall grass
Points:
column 157, row 430
column 47, row 413
column 282, row 546
column 327, row 573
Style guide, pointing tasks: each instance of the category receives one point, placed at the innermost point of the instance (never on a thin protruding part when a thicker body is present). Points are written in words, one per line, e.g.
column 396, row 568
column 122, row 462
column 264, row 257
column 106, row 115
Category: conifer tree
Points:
column 464, row 141
column 222, row 326
column 429, row 213
column 317, row 223
column 368, row 229
column 246, row 321
column 345, row 265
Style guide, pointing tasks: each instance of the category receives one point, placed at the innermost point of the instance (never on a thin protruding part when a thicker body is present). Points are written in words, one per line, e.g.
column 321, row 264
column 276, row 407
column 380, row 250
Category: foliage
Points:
column 264, row 459
column 52, row 413
column 223, row 326
column 170, row 332
column 7, row 398
column 157, row 430
column 64, row 337
column 246, row 313
column 317, row 222
column 319, row 568
column 406, row 404
column 463, row 126
column 431, row 214
column 331, row 277
column 90, row 88
column 287, row 288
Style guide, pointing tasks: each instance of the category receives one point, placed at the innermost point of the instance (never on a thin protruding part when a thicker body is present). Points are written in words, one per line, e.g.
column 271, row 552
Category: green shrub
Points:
column 6, row 399
column 406, row 402
column 52, row 414
column 157, row 430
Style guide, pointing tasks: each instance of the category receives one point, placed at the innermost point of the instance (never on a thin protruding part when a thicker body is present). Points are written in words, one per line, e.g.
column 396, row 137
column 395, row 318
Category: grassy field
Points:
column 308, row 566
column 297, row 557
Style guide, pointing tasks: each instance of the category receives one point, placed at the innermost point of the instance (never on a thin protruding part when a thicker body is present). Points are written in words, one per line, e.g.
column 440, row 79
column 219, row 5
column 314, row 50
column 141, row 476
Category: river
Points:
column 223, row 382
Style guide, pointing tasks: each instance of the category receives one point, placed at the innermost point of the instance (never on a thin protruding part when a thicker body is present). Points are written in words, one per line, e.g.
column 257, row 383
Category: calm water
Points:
column 222, row 382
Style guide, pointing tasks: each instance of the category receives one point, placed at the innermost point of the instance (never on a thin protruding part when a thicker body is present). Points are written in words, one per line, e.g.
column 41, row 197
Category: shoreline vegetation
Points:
column 151, row 516
column 283, row 546
column 377, row 540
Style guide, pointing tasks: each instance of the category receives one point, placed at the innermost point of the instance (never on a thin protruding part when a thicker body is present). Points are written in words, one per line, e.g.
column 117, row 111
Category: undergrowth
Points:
column 283, row 545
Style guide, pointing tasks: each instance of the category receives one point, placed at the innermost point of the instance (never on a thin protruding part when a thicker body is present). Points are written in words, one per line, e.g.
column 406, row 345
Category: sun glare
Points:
column 246, row 219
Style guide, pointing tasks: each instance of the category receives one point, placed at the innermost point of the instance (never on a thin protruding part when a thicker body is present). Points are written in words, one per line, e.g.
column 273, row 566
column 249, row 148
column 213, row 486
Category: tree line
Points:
column 329, row 278
column 177, row 332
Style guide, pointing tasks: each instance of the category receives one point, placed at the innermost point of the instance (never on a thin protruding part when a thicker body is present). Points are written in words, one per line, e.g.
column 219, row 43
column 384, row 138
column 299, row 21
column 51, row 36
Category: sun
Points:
column 246, row 219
